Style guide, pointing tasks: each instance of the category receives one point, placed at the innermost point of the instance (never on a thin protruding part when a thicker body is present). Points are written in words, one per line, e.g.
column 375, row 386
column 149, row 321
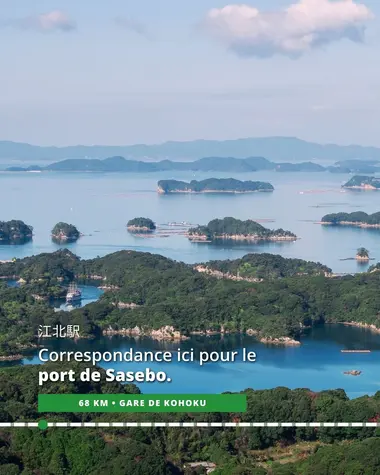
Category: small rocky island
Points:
column 212, row 185
column 235, row 229
column 15, row 232
column 144, row 225
column 362, row 182
column 358, row 218
column 63, row 232
column 362, row 254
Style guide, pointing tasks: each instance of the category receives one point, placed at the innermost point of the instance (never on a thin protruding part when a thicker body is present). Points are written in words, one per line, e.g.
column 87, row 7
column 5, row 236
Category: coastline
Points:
column 64, row 237
column 285, row 341
column 361, row 187
column 168, row 333
column 16, row 357
column 144, row 229
column 241, row 237
column 163, row 192
column 368, row 326
column 349, row 223
column 165, row 333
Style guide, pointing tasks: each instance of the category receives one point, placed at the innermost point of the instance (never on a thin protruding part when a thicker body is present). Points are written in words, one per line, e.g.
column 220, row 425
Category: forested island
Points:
column 15, row 232
column 141, row 225
column 362, row 254
column 363, row 183
column 212, row 185
column 300, row 167
column 358, row 218
column 154, row 296
column 214, row 163
column 236, row 229
column 358, row 166
column 260, row 267
column 167, row 451
column 64, row 232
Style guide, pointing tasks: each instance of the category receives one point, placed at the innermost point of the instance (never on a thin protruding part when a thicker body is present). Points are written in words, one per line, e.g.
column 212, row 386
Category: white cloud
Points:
column 52, row 21
column 293, row 31
column 55, row 20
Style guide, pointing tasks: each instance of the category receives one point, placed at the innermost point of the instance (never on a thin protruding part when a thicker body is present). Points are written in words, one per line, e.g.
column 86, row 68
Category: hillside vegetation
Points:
column 169, row 293
column 166, row 451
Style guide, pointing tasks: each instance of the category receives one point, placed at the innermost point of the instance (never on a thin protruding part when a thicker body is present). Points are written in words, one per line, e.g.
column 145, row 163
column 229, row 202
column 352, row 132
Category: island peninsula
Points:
column 225, row 164
column 141, row 225
column 361, row 182
column 150, row 295
column 213, row 185
column 64, row 232
column 357, row 219
column 15, row 232
column 237, row 230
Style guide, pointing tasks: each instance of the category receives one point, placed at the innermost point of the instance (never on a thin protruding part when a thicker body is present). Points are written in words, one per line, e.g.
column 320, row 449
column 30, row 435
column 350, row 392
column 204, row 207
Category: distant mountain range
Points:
column 207, row 164
column 273, row 148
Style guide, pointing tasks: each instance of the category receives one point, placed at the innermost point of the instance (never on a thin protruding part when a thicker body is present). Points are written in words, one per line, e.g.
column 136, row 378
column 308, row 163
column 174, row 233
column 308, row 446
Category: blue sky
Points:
column 122, row 72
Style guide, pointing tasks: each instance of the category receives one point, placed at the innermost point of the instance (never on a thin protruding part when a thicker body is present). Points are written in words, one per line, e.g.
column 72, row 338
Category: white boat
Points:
column 73, row 294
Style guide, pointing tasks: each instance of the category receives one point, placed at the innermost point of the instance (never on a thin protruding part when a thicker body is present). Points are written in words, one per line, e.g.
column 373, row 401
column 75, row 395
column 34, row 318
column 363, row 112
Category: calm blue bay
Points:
column 317, row 364
column 101, row 205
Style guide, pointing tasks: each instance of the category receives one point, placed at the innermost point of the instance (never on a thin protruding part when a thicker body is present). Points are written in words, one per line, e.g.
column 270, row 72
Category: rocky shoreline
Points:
column 11, row 358
column 368, row 326
column 283, row 340
column 141, row 229
column 168, row 333
column 360, row 187
column 241, row 237
column 350, row 223
column 163, row 192
column 165, row 333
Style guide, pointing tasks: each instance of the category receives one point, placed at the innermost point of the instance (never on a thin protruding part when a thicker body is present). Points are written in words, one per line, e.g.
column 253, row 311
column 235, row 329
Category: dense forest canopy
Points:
column 229, row 226
column 15, row 231
column 358, row 217
column 294, row 293
column 165, row 451
column 141, row 224
column 213, row 185
column 65, row 232
column 171, row 293
column 267, row 266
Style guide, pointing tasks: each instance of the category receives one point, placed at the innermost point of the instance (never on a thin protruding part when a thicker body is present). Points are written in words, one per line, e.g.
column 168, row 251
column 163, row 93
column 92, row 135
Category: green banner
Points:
column 142, row 403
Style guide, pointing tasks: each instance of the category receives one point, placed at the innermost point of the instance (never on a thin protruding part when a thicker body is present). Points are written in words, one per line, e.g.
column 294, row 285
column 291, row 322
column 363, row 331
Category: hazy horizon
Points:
column 125, row 73
column 131, row 144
